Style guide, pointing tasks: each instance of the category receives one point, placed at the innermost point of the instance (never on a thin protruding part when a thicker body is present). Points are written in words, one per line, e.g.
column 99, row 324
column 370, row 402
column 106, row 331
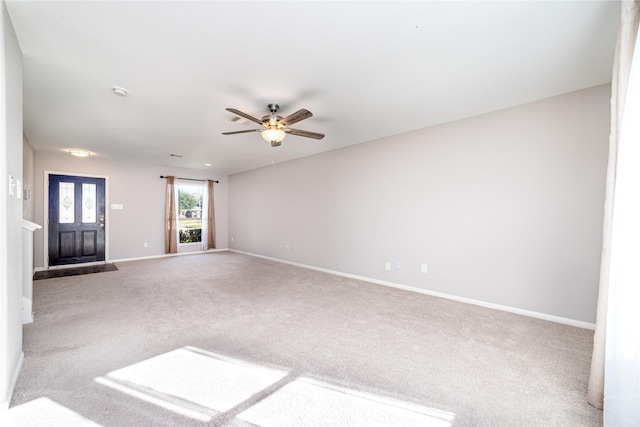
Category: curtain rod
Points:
column 192, row 179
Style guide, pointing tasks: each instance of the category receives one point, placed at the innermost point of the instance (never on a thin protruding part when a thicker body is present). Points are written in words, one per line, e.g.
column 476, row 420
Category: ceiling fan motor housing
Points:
column 268, row 121
column 272, row 120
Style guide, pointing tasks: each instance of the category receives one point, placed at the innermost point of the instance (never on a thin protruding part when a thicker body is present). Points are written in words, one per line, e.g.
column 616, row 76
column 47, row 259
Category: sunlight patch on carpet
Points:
column 309, row 402
column 43, row 412
column 165, row 402
column 191, row 383
column 205, row 386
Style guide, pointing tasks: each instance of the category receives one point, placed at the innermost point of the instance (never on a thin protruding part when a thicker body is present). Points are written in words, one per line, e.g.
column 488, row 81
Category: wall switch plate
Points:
column 145, row 244
column 423, row 268
column 397, row 264
column 387, row 266
column 12, row 186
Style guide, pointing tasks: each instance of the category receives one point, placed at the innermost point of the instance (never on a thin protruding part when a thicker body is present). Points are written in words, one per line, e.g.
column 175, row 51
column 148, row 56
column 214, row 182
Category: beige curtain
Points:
column 627, row 34
column 211, row 219
column 170, row 212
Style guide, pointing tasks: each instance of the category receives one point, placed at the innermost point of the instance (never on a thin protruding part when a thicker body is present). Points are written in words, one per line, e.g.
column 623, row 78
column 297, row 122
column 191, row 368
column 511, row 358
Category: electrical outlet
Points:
column 423, row 268
column 387, row 266
column 397, row 264
column 145, row 244
column 287, row 247
column 232, row 239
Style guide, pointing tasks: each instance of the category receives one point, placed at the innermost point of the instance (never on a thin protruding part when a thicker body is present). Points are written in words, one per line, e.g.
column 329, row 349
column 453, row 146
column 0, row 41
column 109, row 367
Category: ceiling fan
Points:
column 276, row 127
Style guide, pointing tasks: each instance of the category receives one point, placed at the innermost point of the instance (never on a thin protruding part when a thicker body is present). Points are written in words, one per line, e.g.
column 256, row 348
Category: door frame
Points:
column 46, row 219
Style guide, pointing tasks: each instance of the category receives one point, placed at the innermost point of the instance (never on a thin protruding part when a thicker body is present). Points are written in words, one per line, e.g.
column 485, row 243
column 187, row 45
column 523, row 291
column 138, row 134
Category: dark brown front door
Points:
column 76, row 219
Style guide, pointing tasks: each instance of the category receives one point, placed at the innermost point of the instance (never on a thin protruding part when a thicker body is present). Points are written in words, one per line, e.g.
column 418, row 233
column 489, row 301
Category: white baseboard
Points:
column 543, row 316
column 168, row 255
column 137, row 258
column 14, row 379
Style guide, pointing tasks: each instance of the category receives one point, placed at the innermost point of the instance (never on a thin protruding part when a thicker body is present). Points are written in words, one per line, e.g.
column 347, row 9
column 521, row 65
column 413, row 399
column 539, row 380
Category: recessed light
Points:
column 207, row 164
column 119, row 91
column 80, row 153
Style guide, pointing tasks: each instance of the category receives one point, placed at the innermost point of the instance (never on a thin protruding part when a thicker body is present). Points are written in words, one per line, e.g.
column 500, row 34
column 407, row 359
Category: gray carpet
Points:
column 228, row 339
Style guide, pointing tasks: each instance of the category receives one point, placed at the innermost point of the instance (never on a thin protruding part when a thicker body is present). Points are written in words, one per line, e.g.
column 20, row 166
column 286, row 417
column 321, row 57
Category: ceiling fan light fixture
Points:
column 273, row 135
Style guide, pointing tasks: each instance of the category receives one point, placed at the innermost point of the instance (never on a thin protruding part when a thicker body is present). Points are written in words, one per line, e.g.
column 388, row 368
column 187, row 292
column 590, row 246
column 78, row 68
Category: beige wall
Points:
column 10, row 209
column 504, row 208
column 141, row 192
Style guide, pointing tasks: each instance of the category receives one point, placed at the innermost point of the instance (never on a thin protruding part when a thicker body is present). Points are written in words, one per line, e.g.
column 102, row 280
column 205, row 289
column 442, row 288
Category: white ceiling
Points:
column 365, row 69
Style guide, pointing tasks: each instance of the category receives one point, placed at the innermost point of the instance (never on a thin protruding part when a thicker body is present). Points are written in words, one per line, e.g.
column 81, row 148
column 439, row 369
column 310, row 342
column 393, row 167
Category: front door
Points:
column 76, row 219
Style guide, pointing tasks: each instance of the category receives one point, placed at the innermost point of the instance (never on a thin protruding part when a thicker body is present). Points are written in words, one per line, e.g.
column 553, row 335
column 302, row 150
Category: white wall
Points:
column 10, row 209
column 504, row 208
column 141, row 192
column 29, row 176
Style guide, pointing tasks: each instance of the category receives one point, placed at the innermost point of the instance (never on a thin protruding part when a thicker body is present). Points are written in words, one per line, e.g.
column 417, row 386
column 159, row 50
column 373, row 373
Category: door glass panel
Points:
column 66, row 208
column 88, row 203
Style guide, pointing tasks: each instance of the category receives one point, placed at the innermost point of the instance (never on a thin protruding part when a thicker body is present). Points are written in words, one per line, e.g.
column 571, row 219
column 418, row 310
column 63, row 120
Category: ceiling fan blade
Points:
column 245, row 115
column 242, row 131
column 305, row 133
column 296, row 117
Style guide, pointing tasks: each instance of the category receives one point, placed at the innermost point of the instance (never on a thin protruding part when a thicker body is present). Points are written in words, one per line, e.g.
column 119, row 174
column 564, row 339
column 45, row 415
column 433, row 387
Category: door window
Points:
column 88, row 203
column 66, row 205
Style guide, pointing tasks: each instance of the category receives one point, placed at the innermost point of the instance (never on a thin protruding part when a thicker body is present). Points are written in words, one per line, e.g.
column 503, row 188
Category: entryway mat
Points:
column 63, row 272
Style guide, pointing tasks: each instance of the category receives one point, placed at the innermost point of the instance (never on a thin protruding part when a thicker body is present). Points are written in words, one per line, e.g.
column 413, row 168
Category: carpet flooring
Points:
column 228, row 339
column 74, row 271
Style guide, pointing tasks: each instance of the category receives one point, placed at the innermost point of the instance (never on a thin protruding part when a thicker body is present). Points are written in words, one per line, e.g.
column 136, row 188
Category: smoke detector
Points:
column 119, row 91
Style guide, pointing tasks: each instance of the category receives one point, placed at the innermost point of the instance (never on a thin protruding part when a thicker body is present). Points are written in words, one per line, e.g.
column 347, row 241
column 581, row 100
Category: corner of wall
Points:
column 10, row 208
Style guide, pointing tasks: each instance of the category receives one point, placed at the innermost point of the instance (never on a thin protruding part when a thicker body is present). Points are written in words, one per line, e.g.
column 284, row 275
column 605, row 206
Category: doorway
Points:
column 77, row 222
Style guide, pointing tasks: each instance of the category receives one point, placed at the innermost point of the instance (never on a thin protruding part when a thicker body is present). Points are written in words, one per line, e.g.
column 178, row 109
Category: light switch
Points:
column 12, row 186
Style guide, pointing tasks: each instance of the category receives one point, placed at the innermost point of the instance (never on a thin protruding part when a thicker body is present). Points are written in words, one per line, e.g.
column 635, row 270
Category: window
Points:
column 190, row 212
